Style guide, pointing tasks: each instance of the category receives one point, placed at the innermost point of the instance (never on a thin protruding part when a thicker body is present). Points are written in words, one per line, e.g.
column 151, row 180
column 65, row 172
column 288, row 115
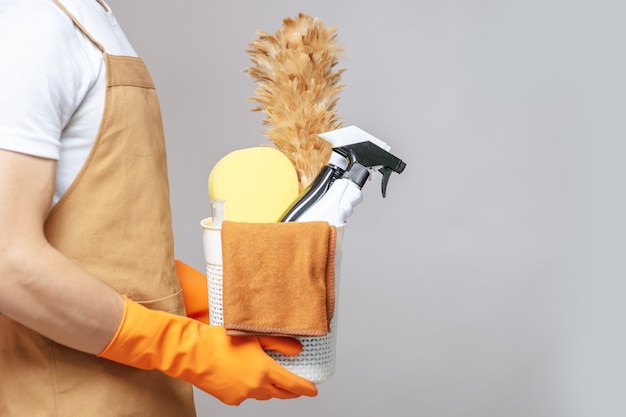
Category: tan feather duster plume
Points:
column 298, row 88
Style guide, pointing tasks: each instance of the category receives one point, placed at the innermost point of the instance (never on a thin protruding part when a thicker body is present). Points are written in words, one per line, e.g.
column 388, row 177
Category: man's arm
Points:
column 44, row 290
column 39, row 286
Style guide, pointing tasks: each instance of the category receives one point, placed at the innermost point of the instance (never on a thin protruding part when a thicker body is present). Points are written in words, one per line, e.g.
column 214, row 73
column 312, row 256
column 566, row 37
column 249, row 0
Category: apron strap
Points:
column 79, row 25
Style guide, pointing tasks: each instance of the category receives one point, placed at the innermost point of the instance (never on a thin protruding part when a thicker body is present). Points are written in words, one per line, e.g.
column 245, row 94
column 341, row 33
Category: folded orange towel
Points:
column 278, row 278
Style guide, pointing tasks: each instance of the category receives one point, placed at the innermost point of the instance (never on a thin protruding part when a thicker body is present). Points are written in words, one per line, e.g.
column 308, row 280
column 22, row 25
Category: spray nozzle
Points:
column 369, row 155
column 361, row 148
column 364, row 150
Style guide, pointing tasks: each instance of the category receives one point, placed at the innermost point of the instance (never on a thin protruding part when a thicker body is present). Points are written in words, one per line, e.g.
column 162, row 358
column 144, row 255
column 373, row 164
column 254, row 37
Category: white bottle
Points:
column 339, row 201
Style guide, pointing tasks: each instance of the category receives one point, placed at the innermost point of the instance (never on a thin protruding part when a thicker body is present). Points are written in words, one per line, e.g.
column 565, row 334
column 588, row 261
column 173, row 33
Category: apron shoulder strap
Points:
column 79, row 25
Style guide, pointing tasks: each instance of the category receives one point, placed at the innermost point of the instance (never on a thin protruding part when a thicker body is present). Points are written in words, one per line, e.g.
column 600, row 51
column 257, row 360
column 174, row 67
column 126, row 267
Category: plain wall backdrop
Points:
column 490, row 281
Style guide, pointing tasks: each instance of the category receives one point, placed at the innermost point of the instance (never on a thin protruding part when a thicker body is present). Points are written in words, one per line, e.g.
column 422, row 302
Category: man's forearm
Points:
column 39, row 286
column 48, row 293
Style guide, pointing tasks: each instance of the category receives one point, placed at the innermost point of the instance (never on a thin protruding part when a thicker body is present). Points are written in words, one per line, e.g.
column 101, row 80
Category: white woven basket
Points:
column 316, row 362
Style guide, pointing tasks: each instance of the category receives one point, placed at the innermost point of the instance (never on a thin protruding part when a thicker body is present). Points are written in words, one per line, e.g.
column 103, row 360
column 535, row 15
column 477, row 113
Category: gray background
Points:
column 490, row 281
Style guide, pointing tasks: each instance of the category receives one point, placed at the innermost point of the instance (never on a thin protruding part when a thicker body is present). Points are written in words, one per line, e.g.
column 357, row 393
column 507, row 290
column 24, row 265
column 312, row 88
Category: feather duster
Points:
column 297, row 89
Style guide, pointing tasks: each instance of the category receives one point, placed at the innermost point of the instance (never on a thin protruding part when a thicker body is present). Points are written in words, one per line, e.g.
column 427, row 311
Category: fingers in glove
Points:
column 278, row 393
column 285, row 345
column 287, row 381
column 284, row 395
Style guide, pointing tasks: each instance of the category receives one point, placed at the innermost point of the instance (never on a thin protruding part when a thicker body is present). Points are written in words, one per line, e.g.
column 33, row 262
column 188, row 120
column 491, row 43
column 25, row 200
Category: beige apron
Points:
column 115, row 222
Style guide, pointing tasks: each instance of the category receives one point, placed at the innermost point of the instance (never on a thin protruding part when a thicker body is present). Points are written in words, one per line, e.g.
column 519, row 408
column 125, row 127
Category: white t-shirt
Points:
column 53, row 81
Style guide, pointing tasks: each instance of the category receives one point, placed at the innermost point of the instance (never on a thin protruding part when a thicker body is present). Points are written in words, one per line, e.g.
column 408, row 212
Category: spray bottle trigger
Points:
column 386, row 171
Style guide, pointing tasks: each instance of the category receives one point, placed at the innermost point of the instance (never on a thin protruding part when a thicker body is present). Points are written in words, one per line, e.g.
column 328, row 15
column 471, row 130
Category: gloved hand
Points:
column 228, row 367
column 195, row 291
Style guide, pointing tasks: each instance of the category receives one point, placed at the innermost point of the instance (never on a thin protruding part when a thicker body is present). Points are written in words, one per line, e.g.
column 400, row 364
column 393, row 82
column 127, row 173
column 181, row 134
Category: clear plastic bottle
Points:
column 218, row 212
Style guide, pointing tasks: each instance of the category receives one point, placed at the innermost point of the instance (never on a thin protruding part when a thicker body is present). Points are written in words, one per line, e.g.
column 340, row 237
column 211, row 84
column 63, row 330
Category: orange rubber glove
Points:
column 228, row 367
column 195, row 291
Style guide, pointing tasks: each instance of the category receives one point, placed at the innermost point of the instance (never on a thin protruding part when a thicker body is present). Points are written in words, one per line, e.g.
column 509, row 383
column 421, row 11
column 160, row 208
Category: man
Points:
column 92, row 317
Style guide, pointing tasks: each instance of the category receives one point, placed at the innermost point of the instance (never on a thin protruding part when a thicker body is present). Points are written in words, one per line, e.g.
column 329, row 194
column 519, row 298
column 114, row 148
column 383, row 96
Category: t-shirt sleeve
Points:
column 43, row 77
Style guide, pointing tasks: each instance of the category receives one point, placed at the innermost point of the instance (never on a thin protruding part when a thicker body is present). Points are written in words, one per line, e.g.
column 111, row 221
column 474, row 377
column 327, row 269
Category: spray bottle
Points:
column 337, row 164
column 332, row 198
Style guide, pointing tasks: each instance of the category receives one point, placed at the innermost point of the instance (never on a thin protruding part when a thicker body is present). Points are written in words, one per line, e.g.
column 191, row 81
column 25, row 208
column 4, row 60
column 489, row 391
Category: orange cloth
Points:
column 278, row 278
column 195, row 291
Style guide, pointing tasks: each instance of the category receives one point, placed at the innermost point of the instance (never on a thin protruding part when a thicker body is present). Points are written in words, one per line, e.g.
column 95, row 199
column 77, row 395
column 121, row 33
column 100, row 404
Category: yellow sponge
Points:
column 257, row 183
